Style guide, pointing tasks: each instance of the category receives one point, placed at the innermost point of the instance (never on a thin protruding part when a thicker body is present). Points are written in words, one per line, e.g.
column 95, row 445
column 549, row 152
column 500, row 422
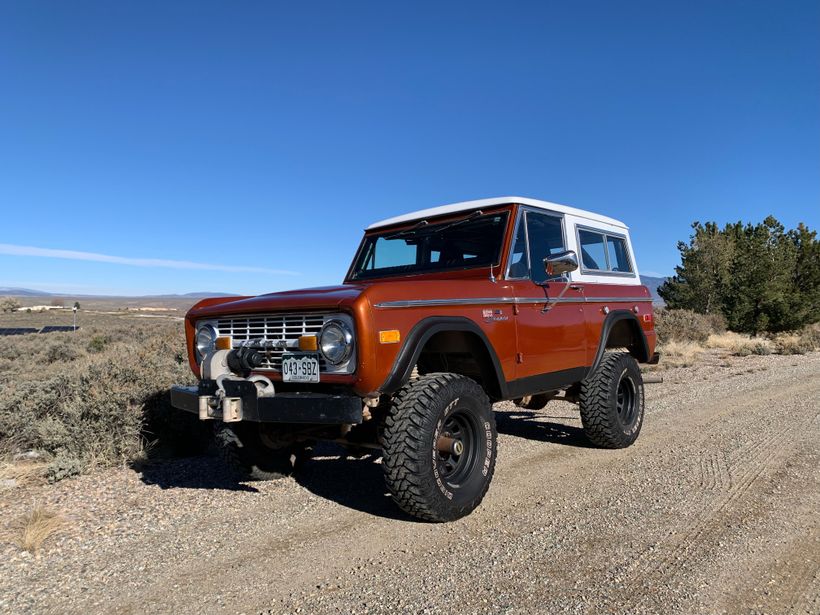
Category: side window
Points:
column 546, row 237
column 603, row 252
column 618, row 257
column 593, row 250
column 519, row 261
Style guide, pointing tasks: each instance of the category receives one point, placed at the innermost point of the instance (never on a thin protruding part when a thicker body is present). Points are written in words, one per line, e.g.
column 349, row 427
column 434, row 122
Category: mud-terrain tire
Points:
column 244, row 448
column 424, row 481
column 612, row 402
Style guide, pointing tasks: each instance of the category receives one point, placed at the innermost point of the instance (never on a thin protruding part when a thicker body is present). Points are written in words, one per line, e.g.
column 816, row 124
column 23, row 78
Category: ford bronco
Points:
column 443, row 312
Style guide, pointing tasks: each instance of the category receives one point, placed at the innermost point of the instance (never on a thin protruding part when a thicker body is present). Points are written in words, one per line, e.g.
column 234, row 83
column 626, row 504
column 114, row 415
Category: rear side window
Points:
column 618, row 257
column 593, row 250
column 604, row 252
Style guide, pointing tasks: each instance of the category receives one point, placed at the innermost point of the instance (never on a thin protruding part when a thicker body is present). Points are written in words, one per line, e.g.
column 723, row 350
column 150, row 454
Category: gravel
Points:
column 713, row 510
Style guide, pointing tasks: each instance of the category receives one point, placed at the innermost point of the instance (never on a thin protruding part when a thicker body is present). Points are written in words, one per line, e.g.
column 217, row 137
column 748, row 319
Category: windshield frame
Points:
column 445, row 222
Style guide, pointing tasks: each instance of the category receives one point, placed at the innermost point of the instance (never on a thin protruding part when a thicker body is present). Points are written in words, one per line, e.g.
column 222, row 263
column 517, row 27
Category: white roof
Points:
column 502, row 200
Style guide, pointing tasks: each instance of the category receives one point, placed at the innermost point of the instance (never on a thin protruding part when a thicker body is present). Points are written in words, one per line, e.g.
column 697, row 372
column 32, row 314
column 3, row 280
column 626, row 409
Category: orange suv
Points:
column 443, row 312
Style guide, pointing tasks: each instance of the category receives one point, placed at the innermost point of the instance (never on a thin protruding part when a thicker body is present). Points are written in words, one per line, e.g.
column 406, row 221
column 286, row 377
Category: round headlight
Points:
column 336, row 342
column 205, row 340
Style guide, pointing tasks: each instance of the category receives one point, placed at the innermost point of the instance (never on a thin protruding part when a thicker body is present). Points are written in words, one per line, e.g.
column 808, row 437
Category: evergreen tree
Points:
column 760, row 277
column 700, row 280
column 806, row 279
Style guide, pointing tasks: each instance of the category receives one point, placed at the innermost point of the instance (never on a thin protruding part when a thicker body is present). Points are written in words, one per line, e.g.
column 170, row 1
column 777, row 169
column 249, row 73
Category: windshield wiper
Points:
column 435, row 229
column 407, row 231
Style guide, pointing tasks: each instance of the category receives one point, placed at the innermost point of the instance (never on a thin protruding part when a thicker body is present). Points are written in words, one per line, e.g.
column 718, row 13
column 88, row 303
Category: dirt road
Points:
column 715, row 509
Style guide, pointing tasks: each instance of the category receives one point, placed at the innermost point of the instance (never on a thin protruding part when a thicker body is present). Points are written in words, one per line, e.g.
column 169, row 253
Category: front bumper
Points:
column 242, row 403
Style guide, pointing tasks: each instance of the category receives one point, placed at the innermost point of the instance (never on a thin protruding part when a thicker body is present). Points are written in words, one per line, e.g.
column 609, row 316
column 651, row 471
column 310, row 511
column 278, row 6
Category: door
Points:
column 551, row 342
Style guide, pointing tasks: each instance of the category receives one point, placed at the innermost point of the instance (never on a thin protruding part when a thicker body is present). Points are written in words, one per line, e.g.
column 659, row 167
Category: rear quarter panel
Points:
column 607, row 292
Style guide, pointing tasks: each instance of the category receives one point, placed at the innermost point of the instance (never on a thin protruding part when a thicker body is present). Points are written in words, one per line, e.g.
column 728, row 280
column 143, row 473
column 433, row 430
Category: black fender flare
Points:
column 614, row 317
column 421, row 332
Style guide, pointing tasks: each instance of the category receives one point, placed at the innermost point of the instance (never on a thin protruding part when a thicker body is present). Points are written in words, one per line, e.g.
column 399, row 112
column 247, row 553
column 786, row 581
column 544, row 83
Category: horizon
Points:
column 156, row 150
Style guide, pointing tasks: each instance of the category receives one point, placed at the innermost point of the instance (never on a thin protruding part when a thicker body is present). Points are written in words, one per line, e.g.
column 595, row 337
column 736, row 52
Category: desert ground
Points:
column 713, row 510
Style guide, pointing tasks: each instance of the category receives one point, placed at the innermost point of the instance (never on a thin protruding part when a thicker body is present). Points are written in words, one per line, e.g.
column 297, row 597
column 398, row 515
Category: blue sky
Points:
column 260, row 138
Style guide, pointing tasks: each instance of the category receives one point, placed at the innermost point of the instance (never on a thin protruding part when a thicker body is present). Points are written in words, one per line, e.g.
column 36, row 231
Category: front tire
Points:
column 612, row 402
column 439, row 445
column 254, row 453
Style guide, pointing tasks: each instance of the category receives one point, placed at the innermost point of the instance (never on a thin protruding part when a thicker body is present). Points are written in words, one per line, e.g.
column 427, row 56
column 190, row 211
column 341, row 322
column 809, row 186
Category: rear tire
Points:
column 612, row 402
column 248, row 450
column 427, row 414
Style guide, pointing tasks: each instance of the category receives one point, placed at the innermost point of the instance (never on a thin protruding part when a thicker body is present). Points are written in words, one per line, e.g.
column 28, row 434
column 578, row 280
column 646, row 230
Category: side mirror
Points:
column 561, row 263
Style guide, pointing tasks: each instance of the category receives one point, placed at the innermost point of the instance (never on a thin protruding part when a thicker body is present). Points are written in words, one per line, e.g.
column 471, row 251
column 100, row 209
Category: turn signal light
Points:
column 223, row 343
column 391, row 336
column 308, row 342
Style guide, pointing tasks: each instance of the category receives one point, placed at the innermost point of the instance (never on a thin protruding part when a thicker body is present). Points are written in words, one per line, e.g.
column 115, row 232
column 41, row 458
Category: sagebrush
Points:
column 92, row 397
column 686, row 325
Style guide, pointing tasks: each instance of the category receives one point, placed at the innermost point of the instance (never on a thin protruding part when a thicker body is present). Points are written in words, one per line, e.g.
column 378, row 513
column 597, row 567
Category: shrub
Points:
column 810, row 338
column 98, row 343
column 800, row 342
column 96, row 409
column 63, row 467
column 61, row 352
column 9, row 304
column 739, row 344
column 686, row 325
column 760, row 347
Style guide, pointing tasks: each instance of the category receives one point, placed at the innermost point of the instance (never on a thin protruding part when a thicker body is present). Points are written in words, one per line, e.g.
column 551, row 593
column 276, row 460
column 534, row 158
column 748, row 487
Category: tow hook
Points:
column 221, row 406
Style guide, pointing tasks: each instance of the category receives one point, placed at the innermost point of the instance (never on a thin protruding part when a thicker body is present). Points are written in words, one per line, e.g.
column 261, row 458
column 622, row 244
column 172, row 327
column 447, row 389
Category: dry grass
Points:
column 680, row 354
column 31, row 530
column 790, row 344
column 800, row 342
column 740, row 345
column 23, row 472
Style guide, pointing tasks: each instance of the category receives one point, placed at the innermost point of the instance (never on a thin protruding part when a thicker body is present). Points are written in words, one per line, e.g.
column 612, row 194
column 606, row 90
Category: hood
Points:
column 322, row 297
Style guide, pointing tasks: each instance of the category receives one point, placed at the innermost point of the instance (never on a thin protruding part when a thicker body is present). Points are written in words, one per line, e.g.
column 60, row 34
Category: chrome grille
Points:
column 287, row 327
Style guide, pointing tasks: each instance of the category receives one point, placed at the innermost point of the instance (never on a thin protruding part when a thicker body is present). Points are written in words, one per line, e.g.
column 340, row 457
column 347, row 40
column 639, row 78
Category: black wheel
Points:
column 439, row 446
column 257, row 451
column 533, row 402
column 611, row 401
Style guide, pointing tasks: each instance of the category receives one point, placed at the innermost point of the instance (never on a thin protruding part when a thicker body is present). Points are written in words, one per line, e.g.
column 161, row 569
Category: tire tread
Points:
column 404, row 453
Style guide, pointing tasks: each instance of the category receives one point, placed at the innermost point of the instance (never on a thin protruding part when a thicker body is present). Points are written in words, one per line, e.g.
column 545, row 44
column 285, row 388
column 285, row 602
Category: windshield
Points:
column 473, row 241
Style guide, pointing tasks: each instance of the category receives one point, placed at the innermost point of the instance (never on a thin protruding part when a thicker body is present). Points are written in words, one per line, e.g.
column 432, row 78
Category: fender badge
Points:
column 496, row 315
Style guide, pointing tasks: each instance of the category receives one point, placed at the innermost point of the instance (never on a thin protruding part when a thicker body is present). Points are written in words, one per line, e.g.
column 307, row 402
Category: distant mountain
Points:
column 27, row 292
column 23, row 292
column 652, row 284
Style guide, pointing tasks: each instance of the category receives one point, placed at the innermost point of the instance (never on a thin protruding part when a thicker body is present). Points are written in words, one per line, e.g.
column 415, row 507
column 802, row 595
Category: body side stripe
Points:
column 511, row 300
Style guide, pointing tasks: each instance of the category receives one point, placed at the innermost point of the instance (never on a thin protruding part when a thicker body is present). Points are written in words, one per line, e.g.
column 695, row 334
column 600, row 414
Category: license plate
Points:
column 300, row 367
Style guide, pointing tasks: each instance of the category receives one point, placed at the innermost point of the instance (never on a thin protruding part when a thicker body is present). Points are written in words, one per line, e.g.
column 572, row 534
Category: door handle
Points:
column 577, row 287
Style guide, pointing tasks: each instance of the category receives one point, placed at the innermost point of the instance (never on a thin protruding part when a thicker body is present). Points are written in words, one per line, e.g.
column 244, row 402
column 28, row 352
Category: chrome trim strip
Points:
column 618, row 299
column 543, row 300
column 434, row 302
column 511, row 300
